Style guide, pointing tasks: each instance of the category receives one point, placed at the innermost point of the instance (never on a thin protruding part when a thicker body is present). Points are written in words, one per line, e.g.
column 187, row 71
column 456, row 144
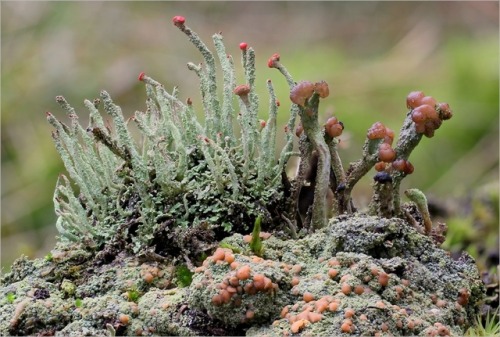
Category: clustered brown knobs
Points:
column 424, row 113
column 386, row 153
column 305, row 89
column 235, row 284
column 333, row 127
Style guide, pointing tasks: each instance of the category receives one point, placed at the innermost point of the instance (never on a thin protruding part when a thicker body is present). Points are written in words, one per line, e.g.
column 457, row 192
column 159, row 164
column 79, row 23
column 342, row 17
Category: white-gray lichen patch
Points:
column 360, row 275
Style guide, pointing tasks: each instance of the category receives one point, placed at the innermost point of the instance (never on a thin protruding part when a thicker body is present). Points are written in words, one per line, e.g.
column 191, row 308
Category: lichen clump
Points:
column 180, row 173
column 201, row 182
column 157, row 241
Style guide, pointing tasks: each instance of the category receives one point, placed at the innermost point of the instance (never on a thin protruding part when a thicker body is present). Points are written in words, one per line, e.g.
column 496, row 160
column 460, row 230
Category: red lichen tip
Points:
column 178, row 20
column 242, row 90
column 243, row 46
column 141, row 76
column 274, row 58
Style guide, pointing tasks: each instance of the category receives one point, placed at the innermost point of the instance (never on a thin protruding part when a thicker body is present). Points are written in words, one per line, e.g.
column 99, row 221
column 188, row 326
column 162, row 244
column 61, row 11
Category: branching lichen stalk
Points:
column 213, row 108
column 309, row 117
column 181, row 175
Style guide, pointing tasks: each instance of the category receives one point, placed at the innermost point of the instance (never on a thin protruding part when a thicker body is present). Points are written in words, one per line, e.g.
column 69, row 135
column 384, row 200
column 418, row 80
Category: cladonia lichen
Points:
column 204, row 179
column 152, row 222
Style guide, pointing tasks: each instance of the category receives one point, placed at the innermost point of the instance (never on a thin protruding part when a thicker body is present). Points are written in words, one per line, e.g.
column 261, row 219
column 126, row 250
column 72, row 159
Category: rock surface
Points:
column 360, row 275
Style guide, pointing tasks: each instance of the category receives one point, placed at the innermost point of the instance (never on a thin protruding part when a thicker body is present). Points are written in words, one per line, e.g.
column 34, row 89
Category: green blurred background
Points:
column 371, row 54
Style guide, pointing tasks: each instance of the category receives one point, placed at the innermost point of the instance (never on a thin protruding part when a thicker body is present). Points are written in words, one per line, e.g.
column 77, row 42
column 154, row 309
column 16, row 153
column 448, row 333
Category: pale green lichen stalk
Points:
column 180, row 172
column 418, row 197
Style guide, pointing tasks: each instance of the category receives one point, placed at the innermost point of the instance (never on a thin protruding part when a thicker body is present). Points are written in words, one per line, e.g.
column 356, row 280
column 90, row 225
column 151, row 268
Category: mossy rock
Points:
column 395, row 280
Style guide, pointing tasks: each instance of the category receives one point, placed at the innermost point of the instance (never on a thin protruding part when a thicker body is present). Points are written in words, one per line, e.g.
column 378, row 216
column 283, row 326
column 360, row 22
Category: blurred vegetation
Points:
column 371, row 54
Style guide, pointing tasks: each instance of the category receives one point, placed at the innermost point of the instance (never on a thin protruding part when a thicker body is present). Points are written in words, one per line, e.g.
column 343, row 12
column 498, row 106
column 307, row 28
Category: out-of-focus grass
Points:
column 371, row 54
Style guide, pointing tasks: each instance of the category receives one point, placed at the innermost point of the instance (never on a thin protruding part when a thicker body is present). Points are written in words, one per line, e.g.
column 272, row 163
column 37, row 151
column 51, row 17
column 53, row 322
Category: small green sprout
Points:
column 48, row 257
column 78, row 302
column 489, row 327
column 184, row 276
column 133, row 294
column 10, row 297
column 256, row 242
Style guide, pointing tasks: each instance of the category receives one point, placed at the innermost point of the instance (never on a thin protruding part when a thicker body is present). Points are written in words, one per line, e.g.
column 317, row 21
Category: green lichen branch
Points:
column 181, row 173
column 179, row 170
column 309, row 117
column 287, row 151
column 424, row 117
column 418, row 197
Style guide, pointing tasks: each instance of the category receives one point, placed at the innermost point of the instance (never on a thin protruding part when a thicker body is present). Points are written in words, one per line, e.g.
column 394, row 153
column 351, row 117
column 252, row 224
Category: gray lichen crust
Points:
column 394, row 279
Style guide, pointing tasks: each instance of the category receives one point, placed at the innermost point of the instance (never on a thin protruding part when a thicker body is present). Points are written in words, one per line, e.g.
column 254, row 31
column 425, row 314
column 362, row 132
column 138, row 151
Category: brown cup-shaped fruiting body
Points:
column 380, row 166
column 423, row 113
column 426, row 113
column 389, row 136
column 383, row 279
column 402, row 165
column 333, row 127
column 242, row 90
column 243, row 273
column 413, row 99
column 428, row 100
column 301, row 92
column 298, row 130
column 445, row 112
column 321, row 88
column 376, row 131
column 463, row 296
column 386, row 153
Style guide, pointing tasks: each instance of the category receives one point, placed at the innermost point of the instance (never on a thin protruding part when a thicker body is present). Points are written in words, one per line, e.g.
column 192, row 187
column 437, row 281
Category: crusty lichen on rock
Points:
column 154, row 242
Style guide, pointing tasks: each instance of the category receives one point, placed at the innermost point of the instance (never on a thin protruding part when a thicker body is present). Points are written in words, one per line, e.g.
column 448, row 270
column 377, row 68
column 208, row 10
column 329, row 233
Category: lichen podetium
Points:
column 184, row 186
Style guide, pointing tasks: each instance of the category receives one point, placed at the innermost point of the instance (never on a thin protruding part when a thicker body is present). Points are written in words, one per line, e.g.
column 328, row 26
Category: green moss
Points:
column 184, row 276
column 224, row 244
column 48, row 257
column 78, row 302
column 133, row 294
column 10, row 297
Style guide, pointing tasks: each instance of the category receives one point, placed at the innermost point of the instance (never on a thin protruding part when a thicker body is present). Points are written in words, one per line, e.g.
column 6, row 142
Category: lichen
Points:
column 157, row 240
column 423, row 286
